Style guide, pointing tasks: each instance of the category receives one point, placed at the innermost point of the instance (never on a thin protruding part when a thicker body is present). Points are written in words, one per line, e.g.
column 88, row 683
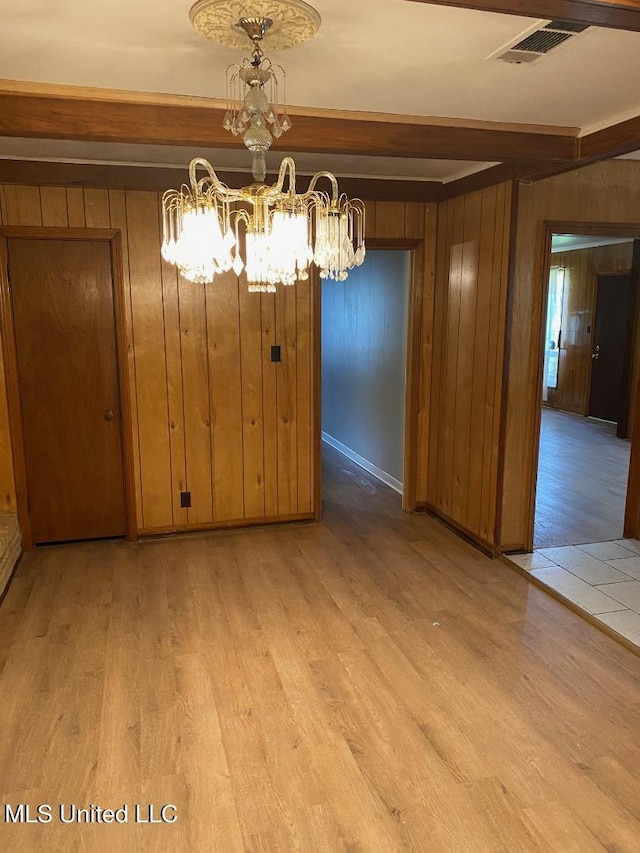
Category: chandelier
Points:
column 270, row 231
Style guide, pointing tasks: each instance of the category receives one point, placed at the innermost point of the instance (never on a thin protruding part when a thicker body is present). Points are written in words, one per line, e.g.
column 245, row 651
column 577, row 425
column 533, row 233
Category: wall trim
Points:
column 492, row 551
column 378, row 473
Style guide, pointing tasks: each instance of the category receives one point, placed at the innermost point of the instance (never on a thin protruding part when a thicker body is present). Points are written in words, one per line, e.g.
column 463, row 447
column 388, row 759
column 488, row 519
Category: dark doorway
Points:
column 63, row 312
column 610, row 348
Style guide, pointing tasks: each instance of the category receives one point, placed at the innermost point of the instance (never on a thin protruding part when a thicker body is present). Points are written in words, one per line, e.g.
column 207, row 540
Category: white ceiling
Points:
column 373, row 55
column 571, row 242
column 234, row 159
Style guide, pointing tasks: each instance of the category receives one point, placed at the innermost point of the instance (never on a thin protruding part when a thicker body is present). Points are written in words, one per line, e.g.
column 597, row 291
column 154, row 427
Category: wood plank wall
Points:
column 581, row 268
column 212, row 414
column 468, row 352
column 603, row 192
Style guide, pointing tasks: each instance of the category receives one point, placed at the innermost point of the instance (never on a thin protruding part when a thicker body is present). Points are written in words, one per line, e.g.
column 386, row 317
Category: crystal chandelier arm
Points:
column 287, row 165
column 334, row 185
column 206, row 165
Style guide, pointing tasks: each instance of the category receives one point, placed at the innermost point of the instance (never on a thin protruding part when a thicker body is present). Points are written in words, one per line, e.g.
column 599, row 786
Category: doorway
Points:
column 64, row 357
column 365, row 328
column 590, row 377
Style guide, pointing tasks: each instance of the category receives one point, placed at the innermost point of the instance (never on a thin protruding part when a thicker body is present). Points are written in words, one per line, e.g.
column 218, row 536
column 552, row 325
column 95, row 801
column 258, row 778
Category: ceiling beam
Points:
column 112, row 119
column 158, row 179
column 621, row 138
column 615, row 14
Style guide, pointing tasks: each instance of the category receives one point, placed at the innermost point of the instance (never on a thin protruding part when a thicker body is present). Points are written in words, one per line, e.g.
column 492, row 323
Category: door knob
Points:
column 595, row 355
column 108, row 415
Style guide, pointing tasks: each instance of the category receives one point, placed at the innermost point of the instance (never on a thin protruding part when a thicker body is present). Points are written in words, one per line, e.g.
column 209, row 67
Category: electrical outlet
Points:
column 185, row 499
column 275, row 354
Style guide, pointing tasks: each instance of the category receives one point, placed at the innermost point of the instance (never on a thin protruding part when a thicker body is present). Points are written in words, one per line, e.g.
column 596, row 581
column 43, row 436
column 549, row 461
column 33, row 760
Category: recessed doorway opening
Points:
column 365, row 323
column 590, row 372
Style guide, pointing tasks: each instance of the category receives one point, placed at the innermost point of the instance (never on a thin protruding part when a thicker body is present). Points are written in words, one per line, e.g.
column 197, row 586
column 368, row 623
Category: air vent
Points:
column 542, row 41
column 566, row 27
column 538, row 42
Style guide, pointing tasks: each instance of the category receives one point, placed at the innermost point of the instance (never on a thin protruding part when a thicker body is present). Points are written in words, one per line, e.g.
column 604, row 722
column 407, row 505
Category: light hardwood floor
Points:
column 370, row 683
column 582, row 480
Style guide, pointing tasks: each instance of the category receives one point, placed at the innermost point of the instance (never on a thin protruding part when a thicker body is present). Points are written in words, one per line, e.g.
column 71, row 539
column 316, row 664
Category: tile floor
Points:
column 602, row 578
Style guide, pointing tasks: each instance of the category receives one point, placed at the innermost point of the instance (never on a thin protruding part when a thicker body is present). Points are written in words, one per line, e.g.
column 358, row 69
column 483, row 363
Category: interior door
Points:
column 610, row 346
column 62, row 298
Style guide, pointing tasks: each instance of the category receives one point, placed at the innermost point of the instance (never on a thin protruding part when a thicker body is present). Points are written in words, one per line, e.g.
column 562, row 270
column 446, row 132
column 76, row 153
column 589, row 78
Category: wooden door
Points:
column 63, row 311
column 610, row 346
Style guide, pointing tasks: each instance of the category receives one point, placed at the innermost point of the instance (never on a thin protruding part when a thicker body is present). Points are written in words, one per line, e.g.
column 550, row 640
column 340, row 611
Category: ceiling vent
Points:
column 539, row 42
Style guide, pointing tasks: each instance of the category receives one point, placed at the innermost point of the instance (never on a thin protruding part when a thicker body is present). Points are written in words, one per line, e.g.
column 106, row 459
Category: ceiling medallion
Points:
column 294, row 22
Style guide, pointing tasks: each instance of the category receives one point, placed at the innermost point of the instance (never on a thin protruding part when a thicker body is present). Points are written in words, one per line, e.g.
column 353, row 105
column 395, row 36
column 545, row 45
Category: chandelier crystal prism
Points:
column 271, row 232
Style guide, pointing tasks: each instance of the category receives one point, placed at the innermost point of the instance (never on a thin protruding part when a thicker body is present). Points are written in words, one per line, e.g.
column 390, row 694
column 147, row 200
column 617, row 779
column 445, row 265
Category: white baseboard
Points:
column 387, row 479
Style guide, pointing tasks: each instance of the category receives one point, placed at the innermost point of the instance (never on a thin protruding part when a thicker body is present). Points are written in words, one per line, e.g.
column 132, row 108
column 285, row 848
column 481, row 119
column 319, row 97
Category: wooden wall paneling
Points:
column 13, row 411
column 572, row 392
column 96, row 208
column 252, row 401
column 151, row 381
column 634, row 384
column 582, row 388
column 7, row 478
column 75, row 208
column 316, row 372
column 463, row 379
column 582, row 267
column 414, row 219
column 53, row 201
column 225, row 388
column 451, row 327
column 426, row 350
column 286, row 401
column 118, row 220
column 389, row 219
column 483, row 365
column 632, row 508
column 468, row 357
column 304, row 396
column 21, row 205
column 175, row 396
column 370, row 218
column 503, row 245
column 269, row 403
column 197, row 393
column 123, row 347
column 415, row 455
column 438, row 384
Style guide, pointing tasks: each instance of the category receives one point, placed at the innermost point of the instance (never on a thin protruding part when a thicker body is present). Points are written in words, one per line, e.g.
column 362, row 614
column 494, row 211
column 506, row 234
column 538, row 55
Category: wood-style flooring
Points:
column 583, row 470
column 370, row 683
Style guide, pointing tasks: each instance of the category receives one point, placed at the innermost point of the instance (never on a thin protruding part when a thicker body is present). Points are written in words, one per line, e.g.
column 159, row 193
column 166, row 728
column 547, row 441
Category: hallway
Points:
column 368, row 683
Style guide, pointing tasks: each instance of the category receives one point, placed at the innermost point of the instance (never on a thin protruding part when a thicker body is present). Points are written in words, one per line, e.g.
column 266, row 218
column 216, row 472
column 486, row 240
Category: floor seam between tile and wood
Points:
column 560, row 569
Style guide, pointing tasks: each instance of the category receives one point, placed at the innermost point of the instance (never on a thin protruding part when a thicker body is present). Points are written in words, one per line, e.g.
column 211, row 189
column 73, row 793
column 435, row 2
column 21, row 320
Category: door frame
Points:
column 412, row 374
column 599, row 229
column 14, row 406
